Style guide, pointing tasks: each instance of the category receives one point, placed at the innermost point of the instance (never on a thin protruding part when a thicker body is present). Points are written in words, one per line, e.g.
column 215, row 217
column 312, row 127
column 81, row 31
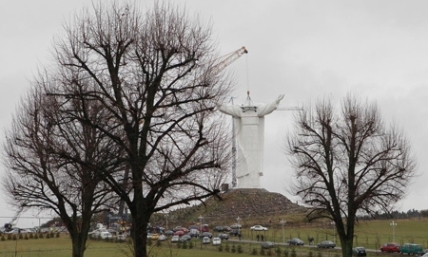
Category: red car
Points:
column 390, row 248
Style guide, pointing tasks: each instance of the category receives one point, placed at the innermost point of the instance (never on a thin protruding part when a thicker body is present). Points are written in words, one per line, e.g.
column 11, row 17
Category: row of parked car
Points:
column 408, row 248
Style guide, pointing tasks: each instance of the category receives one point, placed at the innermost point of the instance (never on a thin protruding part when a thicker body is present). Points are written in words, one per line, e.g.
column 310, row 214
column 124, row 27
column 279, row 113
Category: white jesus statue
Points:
column 250, row 134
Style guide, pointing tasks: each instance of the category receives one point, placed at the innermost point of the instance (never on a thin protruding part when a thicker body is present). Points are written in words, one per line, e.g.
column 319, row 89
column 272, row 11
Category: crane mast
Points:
column 227, row 60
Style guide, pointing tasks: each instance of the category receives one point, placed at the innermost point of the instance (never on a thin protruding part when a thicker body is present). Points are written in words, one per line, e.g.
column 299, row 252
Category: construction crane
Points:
column 228, row 59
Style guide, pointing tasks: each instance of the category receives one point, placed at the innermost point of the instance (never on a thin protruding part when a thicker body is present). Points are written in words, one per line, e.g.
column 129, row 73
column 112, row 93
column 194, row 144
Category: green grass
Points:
column 370, row 234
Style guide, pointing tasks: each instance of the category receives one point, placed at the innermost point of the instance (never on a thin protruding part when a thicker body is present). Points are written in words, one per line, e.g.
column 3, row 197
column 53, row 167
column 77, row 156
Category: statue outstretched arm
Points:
column 232, row 110
column 268, row 108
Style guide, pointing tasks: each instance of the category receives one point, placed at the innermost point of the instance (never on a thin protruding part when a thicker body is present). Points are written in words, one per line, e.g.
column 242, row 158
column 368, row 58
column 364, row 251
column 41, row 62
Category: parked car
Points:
column 216, row 241
column 155, row 236
column 234, row 232
column 295, row 241
column 219, row 229
column 223, row 236
column 162, row 238
column 414, row 249
column 359, row 251
column 185, row 238
column 205, row 234
column 193, row 232
column 259, row 228
column 169, row 233
column 179, row 233
column 206, row 240
column 390, row 248
column 268, row 244
column 326, row 244
column 175, row 239
column 235, row 226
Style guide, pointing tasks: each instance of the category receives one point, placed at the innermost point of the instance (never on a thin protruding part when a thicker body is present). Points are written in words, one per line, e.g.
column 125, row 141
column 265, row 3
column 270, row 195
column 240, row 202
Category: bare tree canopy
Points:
column 153, row 75
column 54, row 163
column 347, row 161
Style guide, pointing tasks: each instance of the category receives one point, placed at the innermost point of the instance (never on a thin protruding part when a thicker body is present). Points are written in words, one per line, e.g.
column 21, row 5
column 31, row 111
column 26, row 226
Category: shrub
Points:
column 20, row 236
column 278, row 251
column 319, row 254
column 178, row 244
column 9, row 237
column 220, row 248
column 149, row 242
column 254, row 252
column 3, row 238
column 57, row 235
column 227, row 248
column 310, row 254
column 233, row 249
column 14, row 237
column 185, row 245
column 262, row 251
column 240, row 249
column 286, row 253
column 32, row 235
column 293, row 253
column 26, row 237
column 48, row 235
column 190, row 245
column 158, row 243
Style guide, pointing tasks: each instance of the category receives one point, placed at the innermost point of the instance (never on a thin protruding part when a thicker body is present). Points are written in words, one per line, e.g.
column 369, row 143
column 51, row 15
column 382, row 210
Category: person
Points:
column 250, row 134
column 239, row 235
column 257, row 237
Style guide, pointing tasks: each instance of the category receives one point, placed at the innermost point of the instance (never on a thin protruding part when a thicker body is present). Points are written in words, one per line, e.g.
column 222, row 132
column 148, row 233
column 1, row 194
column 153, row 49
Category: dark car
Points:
column 185, row 238
column 295, row 241
column 268, row 244
column 205, row 234
column 234, row 232
column 219, row 229
column 359, row 251
column 223, row 236
column 390, row 248
column 326, row 244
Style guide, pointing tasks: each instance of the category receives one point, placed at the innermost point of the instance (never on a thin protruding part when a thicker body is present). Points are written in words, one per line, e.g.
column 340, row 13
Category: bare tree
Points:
column 154, row 75
column 54, row 162
column 348, row 162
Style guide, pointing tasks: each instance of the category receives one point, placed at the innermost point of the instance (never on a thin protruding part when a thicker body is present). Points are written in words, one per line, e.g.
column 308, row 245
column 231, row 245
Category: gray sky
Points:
column 303, row 49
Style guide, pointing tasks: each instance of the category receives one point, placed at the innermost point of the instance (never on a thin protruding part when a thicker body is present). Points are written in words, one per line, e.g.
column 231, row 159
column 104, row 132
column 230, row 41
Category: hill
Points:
column 257, row 205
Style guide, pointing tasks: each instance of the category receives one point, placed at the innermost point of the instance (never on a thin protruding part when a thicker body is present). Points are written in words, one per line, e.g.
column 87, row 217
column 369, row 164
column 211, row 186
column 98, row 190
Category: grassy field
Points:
column 370, row 234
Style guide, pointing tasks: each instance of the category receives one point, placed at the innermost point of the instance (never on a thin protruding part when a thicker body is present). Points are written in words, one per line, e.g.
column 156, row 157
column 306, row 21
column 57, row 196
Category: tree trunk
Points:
column 78, row 244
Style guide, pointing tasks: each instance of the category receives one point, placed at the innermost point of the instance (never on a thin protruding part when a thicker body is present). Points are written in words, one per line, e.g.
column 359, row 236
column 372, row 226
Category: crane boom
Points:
column 228, row 59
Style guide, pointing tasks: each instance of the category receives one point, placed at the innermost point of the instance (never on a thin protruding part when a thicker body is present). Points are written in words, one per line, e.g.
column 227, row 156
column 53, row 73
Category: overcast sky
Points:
column 305, row 50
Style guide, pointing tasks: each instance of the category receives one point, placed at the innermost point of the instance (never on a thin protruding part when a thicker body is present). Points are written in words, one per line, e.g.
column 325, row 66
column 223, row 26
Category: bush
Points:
column 310, row 254
column 36, row 236
column 254, row 251
column 293, row 253
column 48, row 235
column 220, row 248
column 285, row 253
column 158, row 243
column 20, row 236
column 278, row 251
column 233, row 249
column 240, row 249
column 3, row 238
column 9, row 237
column 191, row 245
column 227, row 248
column 26, row 237
column 32, row 235
column 185, row 245
column 178, row 244
column 57, row 235
column 14, row 237
column 149, row 242
column 262, row 251
column 319, row 254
